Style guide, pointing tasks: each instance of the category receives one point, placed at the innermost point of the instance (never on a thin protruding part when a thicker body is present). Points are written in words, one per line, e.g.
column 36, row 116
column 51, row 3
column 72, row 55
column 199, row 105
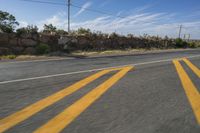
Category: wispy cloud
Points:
column 132, row 23
column 83, row 8
column 195, row 14
column 104, row 3
column 161, row 24
column 143, row 8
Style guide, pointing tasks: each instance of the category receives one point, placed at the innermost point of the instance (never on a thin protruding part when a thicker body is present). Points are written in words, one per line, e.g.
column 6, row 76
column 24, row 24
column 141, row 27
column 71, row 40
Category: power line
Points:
column 69, row 5
column 44, row 2
column 76, row 6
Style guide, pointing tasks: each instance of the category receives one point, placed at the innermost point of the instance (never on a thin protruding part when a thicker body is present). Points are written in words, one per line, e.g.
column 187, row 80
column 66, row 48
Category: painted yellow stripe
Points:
column 63, row 119
column 193, row 67
column 190, row 90
column 28, row 111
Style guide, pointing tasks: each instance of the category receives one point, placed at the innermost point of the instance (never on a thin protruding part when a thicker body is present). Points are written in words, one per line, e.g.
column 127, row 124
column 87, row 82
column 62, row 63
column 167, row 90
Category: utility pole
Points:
column 189, row 37
column 180, row 31
column 184, row 37
column 69, row 4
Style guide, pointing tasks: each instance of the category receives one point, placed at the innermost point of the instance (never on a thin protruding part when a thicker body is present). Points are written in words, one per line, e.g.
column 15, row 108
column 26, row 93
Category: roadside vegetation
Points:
column 112, row 41
column 5, row 57
column 42, row 49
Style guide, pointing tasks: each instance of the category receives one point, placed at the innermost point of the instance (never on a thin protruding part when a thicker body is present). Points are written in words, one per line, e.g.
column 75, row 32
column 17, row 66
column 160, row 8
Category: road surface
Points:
column 149, row 93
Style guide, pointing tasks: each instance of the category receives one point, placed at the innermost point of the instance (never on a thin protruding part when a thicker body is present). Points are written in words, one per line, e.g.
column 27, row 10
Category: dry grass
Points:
column 120, row 52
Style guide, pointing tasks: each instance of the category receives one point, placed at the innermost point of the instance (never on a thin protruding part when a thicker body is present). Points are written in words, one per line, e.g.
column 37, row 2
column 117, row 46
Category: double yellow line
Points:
column 191, row 91
column 59, row 122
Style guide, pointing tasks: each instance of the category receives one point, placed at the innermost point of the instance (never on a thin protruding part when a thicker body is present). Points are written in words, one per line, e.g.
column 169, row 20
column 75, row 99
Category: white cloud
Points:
column 151, row 23
column 22, row 24
column 83, row 8
column 58, row 20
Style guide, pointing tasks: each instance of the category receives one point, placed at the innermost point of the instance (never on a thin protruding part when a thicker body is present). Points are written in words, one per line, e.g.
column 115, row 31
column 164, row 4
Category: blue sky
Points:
column 154, row 17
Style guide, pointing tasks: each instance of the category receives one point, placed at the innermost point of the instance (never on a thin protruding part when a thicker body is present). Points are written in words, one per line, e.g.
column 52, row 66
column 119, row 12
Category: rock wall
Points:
column 107, row 43
column 27, row 43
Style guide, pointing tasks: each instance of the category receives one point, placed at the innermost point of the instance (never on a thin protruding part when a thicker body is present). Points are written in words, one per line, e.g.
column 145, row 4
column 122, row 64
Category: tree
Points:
column 29, row 29
column 130, row 35
column 49, row 28
column 114, row 35
column 82, row 31
column 180, row 43
column 7, row 22
column 33, row 29
column 61, row 32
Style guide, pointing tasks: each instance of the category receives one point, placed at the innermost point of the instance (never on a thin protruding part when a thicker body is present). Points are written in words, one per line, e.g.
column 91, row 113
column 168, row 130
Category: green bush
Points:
column 21, row 31
column 82, row 31
column 114, row 35
column 49, row 28
column 192, row 45
column 180, row 43
column 11, row 56
column 8, row 57
column 29, row 29
column 42, row 48
column 61, row 32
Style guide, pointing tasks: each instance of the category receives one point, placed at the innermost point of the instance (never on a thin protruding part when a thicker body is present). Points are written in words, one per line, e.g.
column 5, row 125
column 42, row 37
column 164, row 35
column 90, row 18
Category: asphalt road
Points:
column 149, row 93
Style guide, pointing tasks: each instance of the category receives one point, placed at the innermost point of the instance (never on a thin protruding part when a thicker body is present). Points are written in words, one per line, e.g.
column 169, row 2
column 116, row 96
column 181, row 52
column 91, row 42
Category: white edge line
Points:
column 92, row 70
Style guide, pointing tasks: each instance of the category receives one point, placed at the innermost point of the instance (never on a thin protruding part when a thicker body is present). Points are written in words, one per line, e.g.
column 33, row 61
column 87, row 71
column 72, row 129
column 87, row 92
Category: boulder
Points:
column 17, row 50
column 26, row 35
column 50, row 39
column 4, row 38
column 44, row 39
column 30, row 51
column 83, row 42
column 35, row 36
column 28, row 42
column 5, row 51
column 13, row 41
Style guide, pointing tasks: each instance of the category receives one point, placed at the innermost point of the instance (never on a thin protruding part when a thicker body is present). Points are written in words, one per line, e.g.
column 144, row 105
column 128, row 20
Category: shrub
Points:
column 192, row 45
column 21, row 31
column 180, row 43
column 48, row 28
column 114, row 35
column 29, row 29
column 130, row 35
column 61, row 32
column 42, row 48
column 32, row 29
column 8, row 57
column 82, row 31
column 11, row 56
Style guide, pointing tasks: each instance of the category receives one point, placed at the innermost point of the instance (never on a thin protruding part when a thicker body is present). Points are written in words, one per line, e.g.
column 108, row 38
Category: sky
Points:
column 138, row 17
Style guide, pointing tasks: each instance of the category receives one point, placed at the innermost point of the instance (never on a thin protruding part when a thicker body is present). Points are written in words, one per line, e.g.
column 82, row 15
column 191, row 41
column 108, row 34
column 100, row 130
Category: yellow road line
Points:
column 30, row 110
column 193, row 67
column 190, row 90
column 63, row 119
